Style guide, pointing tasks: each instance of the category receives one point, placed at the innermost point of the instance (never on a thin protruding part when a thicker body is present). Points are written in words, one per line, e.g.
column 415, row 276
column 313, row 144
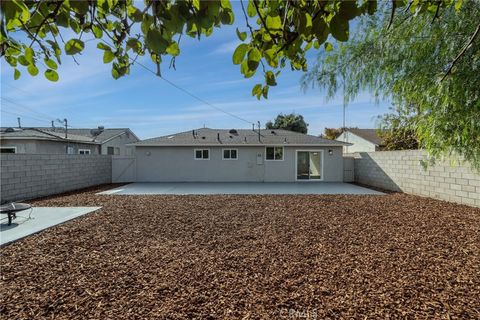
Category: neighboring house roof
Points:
column 97, row 136
column 238, row 137
column 36, row 134
column 371, row 135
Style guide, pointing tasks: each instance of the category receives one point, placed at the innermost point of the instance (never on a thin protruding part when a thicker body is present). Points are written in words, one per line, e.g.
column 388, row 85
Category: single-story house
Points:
column 238, row 155
column 50, row 140
column 35, row 141
column 361, row 140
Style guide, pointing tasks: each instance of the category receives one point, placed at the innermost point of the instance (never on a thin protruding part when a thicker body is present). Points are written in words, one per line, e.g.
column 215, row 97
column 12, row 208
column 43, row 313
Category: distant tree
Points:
column 291, row 122
column 333, row 133
column 397, row 129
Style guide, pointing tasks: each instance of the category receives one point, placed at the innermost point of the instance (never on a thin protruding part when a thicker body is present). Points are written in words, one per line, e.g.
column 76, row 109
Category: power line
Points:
column 43, row 115
column 22, row 115
column 190, row 94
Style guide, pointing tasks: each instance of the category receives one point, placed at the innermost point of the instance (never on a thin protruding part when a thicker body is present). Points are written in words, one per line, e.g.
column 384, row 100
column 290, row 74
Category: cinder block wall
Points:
column 27, row 176
column 449, row 179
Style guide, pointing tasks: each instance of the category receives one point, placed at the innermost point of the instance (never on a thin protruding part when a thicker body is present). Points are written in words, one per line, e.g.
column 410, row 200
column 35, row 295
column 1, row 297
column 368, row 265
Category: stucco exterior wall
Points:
column 359, row 144
column 46, row 146
column 403, row 171
column 120, row 142
column 177, row 164
column 27, row 176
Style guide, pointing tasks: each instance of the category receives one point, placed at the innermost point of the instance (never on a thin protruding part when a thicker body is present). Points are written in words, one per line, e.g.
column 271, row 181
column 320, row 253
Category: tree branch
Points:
column 263, row 22
column 394, row 6
column 465, row 48
column 50, row 15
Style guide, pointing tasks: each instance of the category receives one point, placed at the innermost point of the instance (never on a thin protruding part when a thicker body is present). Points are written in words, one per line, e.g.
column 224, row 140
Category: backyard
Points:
column 248, row 256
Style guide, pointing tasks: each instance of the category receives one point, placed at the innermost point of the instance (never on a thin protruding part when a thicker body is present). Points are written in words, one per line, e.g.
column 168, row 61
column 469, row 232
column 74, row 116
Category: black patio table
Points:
column 12, row 208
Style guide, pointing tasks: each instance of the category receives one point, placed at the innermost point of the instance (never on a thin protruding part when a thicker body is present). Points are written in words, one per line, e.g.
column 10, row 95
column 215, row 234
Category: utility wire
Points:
column 25, row 116
column 190, row 94
column 43, row 115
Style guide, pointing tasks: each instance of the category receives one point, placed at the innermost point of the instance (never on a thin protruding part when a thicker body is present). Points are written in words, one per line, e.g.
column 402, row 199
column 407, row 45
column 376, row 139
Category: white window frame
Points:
column 7, row 147
column 323, row 165
column 85, row 151
column 229, row 149
column 200, row 159
column 283, row 153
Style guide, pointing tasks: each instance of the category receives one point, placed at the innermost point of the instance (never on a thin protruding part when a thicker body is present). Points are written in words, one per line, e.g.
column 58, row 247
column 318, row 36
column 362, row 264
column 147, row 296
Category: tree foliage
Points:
column 276, row 34
column 430, row 68
column 396, row 130
column 333, row 133
column 291, row 122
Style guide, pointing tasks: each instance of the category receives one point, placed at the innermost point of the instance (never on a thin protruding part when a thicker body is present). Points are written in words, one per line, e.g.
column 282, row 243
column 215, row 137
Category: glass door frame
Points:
column 322, row 164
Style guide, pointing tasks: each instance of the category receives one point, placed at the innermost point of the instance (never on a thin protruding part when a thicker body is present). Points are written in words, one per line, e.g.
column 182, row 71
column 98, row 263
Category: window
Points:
column 230, row 154
column 83, row 151
column 202, row 154
column 274, row 153
column 8, row 149
column 113, row 151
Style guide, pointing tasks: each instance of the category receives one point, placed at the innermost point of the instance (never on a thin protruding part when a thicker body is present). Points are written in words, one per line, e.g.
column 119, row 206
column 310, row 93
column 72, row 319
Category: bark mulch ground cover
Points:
column 248, row 257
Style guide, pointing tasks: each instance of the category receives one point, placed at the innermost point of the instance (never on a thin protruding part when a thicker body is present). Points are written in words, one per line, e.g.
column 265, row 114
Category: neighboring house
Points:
column 113, row 141
column 238, row 155
column 32, row 140
column 75, row 141
column 361, row 140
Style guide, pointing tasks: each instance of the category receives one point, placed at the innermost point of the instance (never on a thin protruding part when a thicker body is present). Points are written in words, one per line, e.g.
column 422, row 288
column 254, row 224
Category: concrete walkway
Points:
column 205, row 188
column 38, row 219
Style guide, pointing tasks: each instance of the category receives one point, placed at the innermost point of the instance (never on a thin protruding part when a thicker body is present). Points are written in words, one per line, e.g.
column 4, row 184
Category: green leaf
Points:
column 135, row 45
column 16, row 74
column 339, row 28
column 321, row 30
column 196, row 4
column 239, row 53
column 29, row 54
column 245, row 69
column 108, row 56
column 226, row 16
column 251, row 9
column 23, row 61
column 32, row 69
column 51, row 75
column 80, row 7
column 274, row 22
column 241, row 35
column 257, row 90
column 173, row 49
column 103, row 46
column 97, row 31
column 348, row 9
column 155, row 42
column 51, row 64
column 74, row 46
column 328, row 46
column 265, row 92
column 270, row 78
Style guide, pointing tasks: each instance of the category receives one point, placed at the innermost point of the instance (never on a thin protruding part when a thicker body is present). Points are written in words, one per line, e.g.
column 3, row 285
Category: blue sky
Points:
column 88, row 96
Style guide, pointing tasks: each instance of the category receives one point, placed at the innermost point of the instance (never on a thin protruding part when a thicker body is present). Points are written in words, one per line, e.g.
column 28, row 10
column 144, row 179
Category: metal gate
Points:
column 124, row 169
column 348, row 169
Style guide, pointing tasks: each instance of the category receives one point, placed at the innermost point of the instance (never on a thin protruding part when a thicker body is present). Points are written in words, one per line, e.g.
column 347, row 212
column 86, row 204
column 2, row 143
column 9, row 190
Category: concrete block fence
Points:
column 449, row 179
column 27, row 176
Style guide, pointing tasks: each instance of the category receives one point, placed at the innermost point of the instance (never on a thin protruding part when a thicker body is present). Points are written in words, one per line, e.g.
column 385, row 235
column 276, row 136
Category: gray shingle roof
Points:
column 104, row 135
column 207, row 136
column 84, row 135
column 368, row 134
column 34, row 133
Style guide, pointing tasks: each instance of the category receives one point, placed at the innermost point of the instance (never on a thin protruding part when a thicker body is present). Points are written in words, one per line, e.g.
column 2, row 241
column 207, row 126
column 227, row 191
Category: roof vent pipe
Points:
column 193, row 134
column 218, row 136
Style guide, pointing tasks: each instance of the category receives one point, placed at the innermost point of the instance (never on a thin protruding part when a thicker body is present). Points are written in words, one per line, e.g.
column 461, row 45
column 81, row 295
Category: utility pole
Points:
column 66, row 127
column 19, row 122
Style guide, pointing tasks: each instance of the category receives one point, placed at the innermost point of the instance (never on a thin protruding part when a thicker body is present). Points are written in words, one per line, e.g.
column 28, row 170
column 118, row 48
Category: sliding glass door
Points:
column 309, row 165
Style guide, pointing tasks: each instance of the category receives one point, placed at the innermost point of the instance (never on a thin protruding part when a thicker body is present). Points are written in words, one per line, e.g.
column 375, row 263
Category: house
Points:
column 361, row 140
column 74, row 141
column 113, row 141
column 219, row 155
column 32, row 140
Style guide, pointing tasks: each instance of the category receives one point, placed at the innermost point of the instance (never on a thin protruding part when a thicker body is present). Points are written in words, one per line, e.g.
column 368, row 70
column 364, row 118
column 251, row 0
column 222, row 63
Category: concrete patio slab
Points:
column 38, row 219
column 210, row 188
